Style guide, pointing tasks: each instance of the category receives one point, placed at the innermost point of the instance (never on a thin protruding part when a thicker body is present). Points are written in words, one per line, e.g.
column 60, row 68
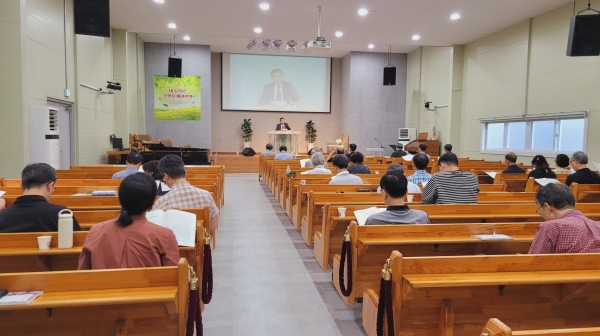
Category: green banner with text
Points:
column 177, row 98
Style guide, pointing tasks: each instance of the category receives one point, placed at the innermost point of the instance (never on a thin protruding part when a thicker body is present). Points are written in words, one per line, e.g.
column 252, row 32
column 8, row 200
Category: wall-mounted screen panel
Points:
column 276, row 83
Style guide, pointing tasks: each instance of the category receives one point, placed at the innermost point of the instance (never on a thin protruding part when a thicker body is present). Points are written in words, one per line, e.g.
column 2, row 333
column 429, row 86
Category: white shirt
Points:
column 318, row 170
column 345, row 178
column 275, row 92
column 411, row 188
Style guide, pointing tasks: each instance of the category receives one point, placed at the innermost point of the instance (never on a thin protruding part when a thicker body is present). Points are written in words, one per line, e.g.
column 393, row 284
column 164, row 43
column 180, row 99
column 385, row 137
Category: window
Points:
column 534, row 136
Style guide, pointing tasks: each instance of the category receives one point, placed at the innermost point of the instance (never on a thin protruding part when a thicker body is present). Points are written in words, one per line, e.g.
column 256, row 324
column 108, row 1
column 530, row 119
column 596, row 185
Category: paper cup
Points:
column 377, row 172
column 342, row 212
column 410, row 198
column 44, row 242
column 303, row 181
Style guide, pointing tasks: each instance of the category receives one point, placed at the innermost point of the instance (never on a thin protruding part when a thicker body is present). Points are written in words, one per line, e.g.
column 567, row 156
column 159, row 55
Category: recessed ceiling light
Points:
column 186, row 37
column 416, row 37
column 455, row 16
column 159, row 1
column 363, row 11
column 172, row 25
column 339, row 34
column 258, row 30
column 264, row 6
column 371, row 46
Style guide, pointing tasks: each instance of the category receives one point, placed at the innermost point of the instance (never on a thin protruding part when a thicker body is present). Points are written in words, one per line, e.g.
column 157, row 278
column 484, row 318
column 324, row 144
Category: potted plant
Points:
column 247, row 131
column 311, row 134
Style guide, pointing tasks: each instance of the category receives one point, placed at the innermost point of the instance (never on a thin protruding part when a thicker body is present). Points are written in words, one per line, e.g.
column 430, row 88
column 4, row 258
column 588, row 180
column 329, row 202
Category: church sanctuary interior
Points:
column 299, row 168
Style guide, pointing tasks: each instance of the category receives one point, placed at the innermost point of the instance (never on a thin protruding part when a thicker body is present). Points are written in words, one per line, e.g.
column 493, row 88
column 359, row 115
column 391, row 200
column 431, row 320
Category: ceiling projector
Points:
column 320, row 43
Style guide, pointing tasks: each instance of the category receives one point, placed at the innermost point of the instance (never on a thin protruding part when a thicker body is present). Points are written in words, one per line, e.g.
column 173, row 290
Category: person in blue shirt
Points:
column 420, row 161
column 283, row 155
column 134, row 162
column 511, row 160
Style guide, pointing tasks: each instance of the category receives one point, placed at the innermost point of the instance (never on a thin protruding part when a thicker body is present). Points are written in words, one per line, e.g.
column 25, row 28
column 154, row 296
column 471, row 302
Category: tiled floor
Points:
column 266, row 280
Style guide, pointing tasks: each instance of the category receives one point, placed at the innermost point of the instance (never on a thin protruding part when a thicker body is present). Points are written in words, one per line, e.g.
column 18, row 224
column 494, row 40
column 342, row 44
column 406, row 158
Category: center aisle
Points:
column 266, row 280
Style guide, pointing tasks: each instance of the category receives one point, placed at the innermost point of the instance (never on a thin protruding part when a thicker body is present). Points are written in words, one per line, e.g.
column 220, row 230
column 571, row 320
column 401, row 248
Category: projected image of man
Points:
column 279, row 90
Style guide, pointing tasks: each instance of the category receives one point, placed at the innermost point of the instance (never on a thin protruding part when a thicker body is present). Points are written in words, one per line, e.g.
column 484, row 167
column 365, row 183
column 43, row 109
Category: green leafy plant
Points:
column 311, row 131
column 247, row 130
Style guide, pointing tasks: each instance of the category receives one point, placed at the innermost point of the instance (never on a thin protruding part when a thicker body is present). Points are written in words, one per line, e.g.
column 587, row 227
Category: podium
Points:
column 284, row 138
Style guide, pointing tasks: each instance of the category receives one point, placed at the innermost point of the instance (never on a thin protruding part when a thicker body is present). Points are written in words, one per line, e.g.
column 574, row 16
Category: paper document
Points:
column 303, row 162
column 546, row 181
column 362, row 215
column 163, row 186
column 19, row 298
column 104, row 193
column 2, row 193
column 597, row 165
column 408, row 157
column 424, row 184
column 491, row 174
column 183, row 224
column 493, row 236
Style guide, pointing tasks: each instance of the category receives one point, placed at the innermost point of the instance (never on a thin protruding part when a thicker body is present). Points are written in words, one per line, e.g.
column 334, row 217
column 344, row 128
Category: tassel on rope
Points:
column 384, row 308
column 346, row 255
column 194, row 318
column 207, row 271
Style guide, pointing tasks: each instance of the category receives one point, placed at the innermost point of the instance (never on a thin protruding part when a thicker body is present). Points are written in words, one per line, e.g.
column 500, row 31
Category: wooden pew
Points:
column 495, row 327
column 456, row 295
column 586, row 192
column 328, row 239
column 134, row 301
column 532, row 186
column 371, row 244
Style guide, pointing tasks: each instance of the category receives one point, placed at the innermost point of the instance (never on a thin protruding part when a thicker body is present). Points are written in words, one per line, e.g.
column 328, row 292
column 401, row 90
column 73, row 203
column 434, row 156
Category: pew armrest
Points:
column 369, row 311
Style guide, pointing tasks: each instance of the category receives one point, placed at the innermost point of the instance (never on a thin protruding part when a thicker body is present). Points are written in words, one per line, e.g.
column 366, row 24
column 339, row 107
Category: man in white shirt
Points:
column 411, row 187
column 318, row 161
column 340, row 164
column 283, row 155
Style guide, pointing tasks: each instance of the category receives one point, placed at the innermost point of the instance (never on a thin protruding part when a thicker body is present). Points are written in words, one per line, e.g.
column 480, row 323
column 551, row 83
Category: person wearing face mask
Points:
column 565, row 230
column 32, row 212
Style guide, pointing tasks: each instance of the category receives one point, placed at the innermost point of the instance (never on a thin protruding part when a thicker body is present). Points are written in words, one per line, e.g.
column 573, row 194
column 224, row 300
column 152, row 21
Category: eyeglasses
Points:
column 539, row 209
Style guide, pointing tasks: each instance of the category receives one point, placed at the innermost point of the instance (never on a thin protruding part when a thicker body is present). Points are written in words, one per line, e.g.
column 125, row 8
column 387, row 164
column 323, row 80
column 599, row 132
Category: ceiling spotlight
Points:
column 276, row 44
column 455, row 16
column 159, row 1
column 416, row 37
column 264, row 6
column 264, row 45
column 363, row 12
column 339, row 34
column 258, row 30
column 251, row 44
column 186, row 37
column 371, row 46
column 291, row 46
column 172, row 25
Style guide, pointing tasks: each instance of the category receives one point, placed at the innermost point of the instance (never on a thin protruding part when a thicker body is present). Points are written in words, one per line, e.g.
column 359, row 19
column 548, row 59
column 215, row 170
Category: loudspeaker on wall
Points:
column 248, row 152
column 389, row 75
column 92, row 17
column 584, row 36
column 175, row 67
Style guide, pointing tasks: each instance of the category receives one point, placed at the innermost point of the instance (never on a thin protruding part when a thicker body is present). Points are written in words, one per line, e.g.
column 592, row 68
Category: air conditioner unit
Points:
column 44, row 143
column 406, row 135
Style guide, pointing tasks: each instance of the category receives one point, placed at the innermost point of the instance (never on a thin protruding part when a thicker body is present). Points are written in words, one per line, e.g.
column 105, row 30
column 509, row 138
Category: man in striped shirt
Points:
column 451, row 185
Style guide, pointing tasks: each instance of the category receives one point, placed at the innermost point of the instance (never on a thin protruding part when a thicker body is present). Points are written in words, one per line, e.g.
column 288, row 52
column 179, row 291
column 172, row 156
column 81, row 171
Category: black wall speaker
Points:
column 248, row 152
column 175, row 67
column 584, row 36
column 389, row 75
column 92, row 17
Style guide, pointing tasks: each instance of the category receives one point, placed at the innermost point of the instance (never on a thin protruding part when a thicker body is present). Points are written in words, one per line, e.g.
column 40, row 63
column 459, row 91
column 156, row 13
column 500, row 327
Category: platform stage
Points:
column 237, row 163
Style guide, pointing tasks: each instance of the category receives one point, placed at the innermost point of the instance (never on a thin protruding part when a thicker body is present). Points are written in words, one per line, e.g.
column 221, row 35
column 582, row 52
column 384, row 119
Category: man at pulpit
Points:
column 282, row 126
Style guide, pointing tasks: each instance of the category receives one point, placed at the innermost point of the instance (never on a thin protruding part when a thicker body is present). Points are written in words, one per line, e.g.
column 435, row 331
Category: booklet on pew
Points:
column 183, row 224
column 19, row 298
column 545, row 181
column 362, row 215
column 2, row 193
column 408, row 157
column 303, row 162
column 491, row 174
column 493, row 236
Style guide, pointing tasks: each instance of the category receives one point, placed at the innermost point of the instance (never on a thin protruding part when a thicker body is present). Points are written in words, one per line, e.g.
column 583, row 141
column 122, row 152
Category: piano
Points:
column 190, row 156
column 433, row 146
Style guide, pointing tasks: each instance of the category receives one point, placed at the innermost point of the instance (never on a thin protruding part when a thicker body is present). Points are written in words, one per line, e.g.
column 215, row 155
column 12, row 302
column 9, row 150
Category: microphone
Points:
column 380, row 143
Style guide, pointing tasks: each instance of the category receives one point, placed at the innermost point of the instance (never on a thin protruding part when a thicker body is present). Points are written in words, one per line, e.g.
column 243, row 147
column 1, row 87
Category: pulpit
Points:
column 284, row 138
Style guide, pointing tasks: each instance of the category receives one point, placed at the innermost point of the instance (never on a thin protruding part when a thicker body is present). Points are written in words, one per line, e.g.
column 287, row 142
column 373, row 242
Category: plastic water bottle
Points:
column 65, row 229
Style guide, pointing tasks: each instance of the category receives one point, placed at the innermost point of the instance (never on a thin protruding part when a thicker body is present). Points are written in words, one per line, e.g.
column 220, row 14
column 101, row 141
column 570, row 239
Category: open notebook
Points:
column 183, row 224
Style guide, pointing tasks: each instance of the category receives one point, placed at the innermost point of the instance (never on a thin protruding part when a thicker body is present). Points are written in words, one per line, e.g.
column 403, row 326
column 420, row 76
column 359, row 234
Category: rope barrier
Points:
column 194, row 318
column 384, row 308
column 346, row 255
column 207, row 271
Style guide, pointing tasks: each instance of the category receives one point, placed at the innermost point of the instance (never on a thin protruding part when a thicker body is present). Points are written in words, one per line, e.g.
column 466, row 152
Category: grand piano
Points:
column 190, row 156
column 433, row 146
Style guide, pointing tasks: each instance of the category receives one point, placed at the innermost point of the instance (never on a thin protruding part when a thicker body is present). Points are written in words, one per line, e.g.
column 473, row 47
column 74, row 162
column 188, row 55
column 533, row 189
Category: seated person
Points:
column 510, row 159
column 338, row 151
column 130, row 240
column 151, row 169
column 283, row 155
column 134, row 162
column 269, row 151
column 412, row 188
column 393, row 189
column 399, row 152
column 420, row 161
column 565, row 229
column 451, row 185
column 357, row 166
column 447, row 148
column 582, row 174
column 317, row 160
column 340, row 164
column 422, row 148
column 541, row 168
column 562, row 164
column 182, row 194
column 32, row 212
column 353, row 148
